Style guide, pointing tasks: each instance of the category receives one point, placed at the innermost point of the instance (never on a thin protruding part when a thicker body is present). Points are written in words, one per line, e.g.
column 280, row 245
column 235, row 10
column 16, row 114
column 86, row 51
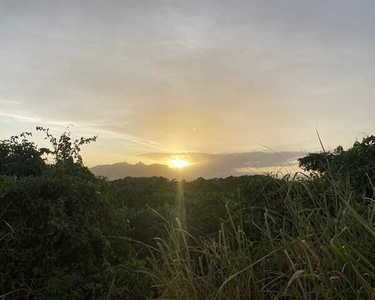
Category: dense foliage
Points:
column 19, row 157
column 356, row 164
column 66, row 234
column 54, row 223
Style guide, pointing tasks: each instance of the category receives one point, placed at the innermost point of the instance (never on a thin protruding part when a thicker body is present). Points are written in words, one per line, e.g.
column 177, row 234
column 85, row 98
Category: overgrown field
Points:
column 65, row 234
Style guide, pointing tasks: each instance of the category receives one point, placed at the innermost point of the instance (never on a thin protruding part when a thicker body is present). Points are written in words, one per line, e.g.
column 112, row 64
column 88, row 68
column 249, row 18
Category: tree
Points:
column 53, row 219
column 66, row 150
column 19, row 157
column 356, row 164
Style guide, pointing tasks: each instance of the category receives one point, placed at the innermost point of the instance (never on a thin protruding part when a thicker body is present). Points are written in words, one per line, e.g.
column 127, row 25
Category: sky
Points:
column 214, row 77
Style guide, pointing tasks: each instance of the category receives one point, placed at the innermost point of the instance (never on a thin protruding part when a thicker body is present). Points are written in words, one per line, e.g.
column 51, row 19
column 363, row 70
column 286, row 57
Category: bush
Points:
column 356, row 164
column 56, row 221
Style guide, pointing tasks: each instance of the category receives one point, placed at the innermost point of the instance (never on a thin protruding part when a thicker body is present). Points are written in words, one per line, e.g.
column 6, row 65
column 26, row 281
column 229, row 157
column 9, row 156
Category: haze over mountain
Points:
column 203, row 165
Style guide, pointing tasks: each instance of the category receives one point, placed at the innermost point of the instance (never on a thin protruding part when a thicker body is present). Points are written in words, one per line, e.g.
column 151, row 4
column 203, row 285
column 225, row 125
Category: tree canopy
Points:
column 356, row 164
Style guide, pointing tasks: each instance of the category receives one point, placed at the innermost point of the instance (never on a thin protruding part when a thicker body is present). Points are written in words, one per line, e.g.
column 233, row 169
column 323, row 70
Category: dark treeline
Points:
column 66, row 234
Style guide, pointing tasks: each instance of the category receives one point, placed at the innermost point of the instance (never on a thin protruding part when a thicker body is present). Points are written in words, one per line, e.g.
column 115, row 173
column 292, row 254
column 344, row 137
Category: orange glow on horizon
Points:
column 178, row 163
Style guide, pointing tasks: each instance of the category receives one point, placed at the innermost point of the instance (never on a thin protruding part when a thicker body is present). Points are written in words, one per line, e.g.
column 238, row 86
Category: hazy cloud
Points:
column 222, row 165
column 202, row 76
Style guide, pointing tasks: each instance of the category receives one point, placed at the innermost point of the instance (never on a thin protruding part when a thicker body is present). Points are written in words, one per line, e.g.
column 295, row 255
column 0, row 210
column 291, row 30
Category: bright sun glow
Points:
column 179, row 163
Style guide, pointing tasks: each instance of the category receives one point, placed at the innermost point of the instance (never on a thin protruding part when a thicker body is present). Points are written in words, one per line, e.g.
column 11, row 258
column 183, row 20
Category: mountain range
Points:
column 124, row 169
column 204, row 165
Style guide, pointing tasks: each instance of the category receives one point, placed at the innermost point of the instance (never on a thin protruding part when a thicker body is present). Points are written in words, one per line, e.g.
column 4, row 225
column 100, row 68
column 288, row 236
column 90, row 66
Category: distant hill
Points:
column 205, row 165
column 124, row 169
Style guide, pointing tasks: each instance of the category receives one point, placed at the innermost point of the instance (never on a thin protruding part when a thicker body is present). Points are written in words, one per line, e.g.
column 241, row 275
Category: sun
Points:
column 179, row 163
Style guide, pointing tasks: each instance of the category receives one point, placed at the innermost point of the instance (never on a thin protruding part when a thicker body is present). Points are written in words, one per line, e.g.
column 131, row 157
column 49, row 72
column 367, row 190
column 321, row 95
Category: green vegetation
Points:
column 65, row 234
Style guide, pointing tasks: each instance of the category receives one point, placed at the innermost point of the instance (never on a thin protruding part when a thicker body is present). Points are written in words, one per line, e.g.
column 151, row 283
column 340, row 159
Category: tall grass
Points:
column 322, row 247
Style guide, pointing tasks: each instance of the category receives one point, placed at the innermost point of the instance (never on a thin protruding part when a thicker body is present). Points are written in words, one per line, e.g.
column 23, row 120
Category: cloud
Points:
column 79, row 128
column 201, row 76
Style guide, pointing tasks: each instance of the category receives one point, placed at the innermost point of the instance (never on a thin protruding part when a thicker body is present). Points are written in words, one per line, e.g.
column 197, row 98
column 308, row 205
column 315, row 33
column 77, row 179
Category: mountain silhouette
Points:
column 124, row 169
column 204, row 165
